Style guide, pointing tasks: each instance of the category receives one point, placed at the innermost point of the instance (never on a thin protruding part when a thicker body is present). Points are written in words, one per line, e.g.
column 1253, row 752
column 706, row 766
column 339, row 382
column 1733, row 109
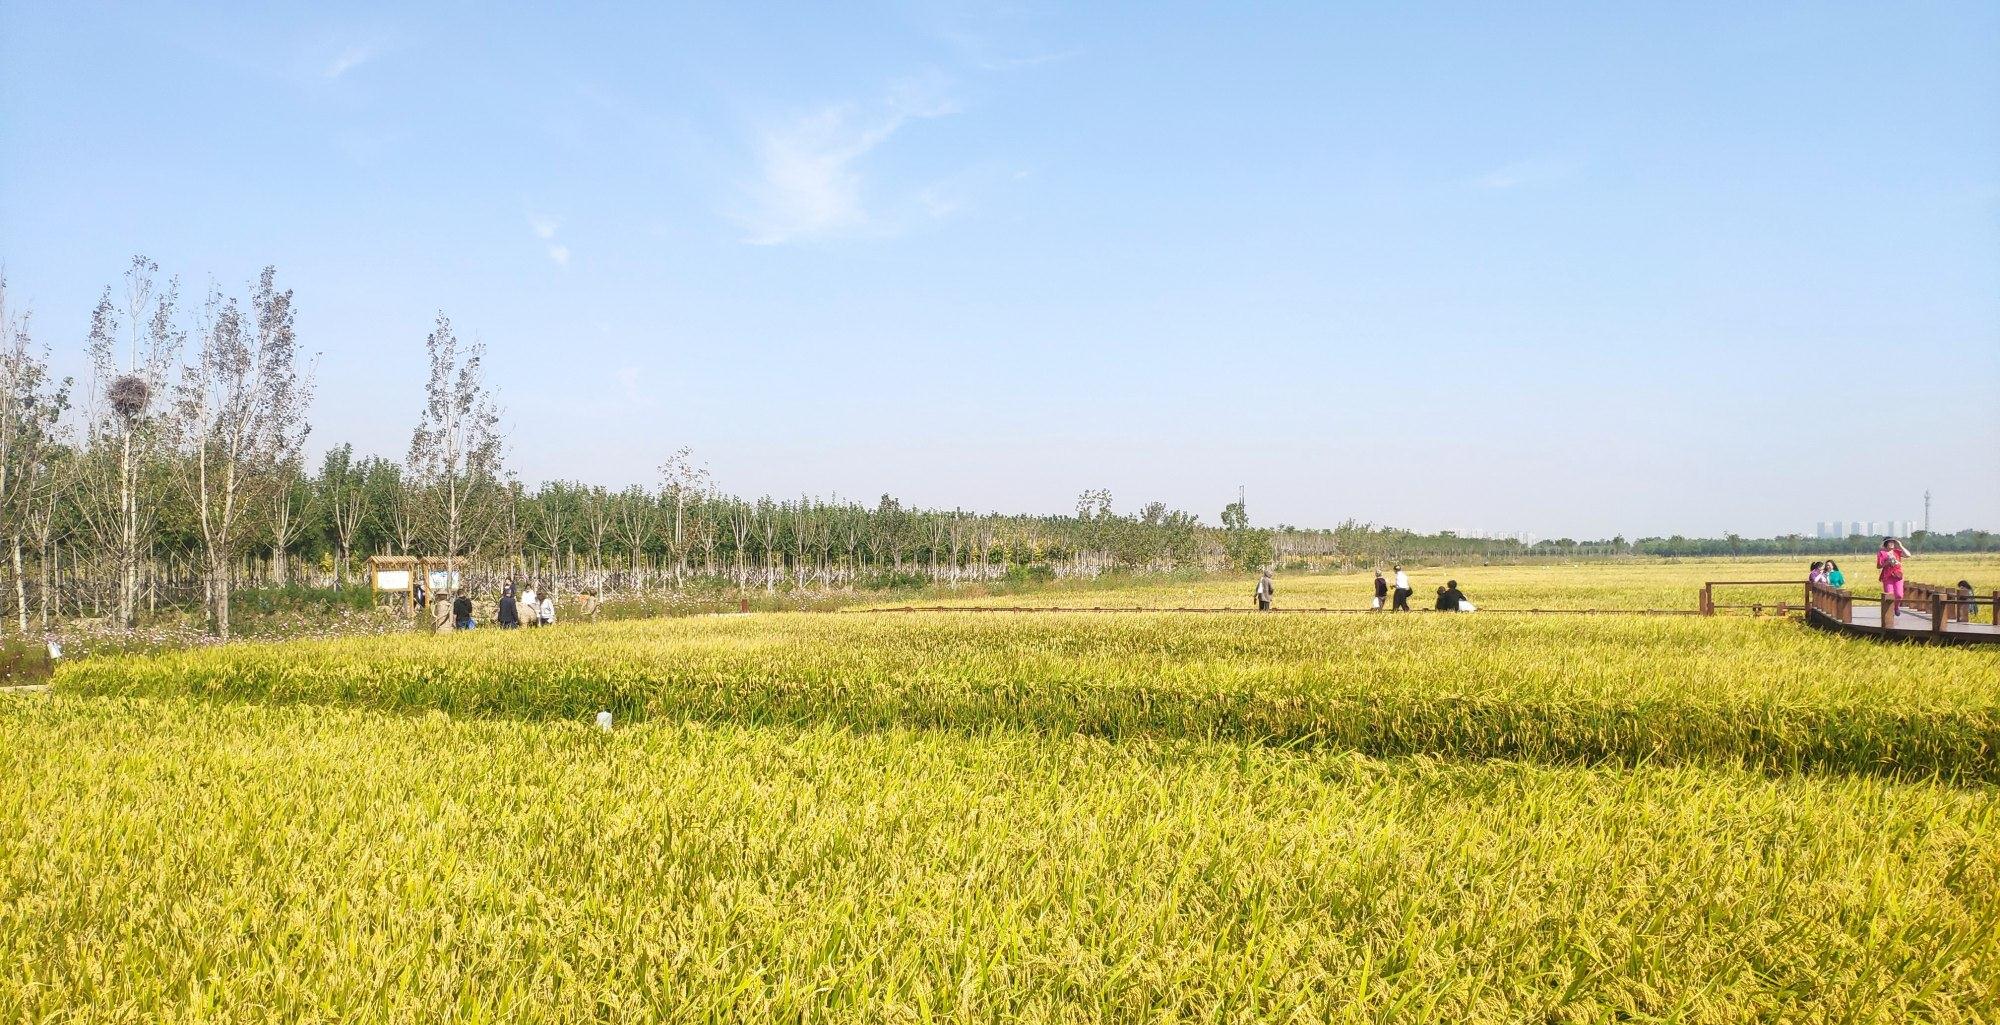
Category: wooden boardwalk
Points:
column 1929, row 614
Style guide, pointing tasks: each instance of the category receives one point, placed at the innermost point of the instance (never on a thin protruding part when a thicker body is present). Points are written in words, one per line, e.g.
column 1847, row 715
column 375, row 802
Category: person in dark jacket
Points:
column 1450, row 598
column 1443, row 605
column 509, row 615
column 461, row 612
column 1381, row 591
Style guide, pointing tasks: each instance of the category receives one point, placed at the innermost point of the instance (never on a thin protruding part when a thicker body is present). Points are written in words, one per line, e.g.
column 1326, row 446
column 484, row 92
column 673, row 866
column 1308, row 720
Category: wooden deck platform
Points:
column 1917, row 620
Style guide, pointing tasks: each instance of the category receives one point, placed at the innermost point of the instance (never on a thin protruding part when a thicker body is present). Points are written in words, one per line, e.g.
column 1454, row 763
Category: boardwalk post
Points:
column 1888, row 618
column 1708, row 599
column 1940, row 613
column 1996, row 608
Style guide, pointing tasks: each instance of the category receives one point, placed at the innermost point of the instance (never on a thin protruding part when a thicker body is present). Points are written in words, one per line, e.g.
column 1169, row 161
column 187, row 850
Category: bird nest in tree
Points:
column 129, row 395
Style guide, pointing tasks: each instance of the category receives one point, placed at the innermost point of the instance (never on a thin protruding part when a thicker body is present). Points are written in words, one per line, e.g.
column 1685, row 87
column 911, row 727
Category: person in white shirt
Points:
column 548, row 610
column 530, row 605
column 1402, row 591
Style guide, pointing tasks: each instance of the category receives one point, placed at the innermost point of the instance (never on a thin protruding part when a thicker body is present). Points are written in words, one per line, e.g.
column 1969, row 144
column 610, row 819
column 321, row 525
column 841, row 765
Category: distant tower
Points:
column 1927, row 511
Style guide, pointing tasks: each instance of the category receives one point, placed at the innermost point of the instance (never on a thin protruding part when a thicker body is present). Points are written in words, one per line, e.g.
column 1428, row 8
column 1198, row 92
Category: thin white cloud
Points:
column 544, row 228
column 809, row 183
column 349, row 59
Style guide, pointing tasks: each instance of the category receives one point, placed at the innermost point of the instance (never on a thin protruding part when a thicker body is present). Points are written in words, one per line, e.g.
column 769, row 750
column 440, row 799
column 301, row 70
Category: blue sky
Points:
column 1568, row 269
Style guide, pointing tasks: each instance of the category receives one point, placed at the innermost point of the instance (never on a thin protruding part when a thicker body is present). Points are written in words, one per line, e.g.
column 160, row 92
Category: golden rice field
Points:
column 1633, row 584
column 1060, row 817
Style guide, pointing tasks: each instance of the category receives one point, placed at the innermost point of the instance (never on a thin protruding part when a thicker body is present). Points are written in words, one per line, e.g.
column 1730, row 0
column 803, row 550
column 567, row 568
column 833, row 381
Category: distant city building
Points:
column 1838, row 530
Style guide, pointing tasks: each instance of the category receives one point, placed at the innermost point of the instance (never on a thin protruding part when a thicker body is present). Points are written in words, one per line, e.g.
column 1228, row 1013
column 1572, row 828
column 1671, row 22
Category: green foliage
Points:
column 301, row 598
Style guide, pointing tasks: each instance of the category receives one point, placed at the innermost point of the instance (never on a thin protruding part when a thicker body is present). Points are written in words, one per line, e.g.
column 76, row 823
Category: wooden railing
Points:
column 1942, row 605
column 1706, row 603
column 1948, row 604
column 1830, row 601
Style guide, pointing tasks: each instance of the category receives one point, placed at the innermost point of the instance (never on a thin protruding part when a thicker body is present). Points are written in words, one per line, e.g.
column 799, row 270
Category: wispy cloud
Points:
column 545, row 228
column 349, row 59
column 809, row 182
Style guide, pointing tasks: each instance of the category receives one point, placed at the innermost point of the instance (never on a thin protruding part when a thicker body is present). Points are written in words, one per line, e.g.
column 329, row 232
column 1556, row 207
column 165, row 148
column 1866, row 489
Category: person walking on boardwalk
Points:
column 1889, row 569
column 1265, row 592
column 1381, row 591
column 1402, row 603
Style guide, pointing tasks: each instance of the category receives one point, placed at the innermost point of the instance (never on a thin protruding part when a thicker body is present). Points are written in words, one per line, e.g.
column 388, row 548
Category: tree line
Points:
column 178, row 472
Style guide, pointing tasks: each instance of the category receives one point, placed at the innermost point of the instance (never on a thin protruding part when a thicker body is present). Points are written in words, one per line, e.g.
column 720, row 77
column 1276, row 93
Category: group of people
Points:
column 512, row 612
column 1889, row 560
column 1449, row 597
column 1827, row 573
column 538, row 610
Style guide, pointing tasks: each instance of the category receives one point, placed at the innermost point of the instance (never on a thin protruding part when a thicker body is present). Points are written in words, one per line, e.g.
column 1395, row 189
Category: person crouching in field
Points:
column 1402, row 602
column 1451, row 599
column 1265, row 592
column 1381, row 591
column 1889, row 569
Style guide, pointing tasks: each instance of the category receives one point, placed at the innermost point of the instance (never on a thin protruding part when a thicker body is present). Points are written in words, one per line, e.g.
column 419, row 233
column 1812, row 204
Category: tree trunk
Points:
column 20, row 587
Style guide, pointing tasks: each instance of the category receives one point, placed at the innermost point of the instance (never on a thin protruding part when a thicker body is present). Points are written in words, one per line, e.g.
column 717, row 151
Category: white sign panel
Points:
column 392, row 580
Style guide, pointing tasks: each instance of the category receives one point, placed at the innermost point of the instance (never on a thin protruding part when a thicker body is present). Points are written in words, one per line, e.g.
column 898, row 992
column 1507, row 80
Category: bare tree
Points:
column 123, row 429
column 31, row 425
column 241, row 421
column 681, row 481
column 455, row 452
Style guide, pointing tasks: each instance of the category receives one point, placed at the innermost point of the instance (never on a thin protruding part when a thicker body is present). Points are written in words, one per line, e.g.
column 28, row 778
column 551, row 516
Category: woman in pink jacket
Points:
column 1889, row 567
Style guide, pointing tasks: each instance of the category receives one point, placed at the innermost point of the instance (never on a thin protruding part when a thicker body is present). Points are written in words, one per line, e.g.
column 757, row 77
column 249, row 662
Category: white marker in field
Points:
column 604, row 721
